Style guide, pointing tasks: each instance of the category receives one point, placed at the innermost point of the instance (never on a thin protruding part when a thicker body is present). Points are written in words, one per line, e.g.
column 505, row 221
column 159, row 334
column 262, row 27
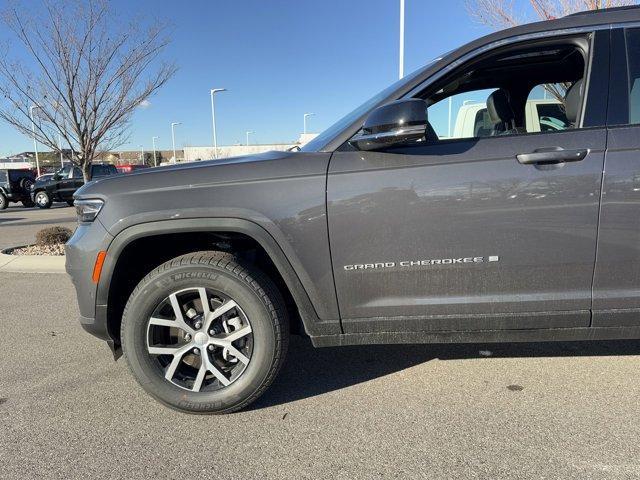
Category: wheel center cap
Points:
column 201, row 339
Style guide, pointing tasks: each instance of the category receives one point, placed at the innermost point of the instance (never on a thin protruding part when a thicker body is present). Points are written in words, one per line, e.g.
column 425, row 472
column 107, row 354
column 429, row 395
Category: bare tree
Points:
column 499, row 14
column 85, row 76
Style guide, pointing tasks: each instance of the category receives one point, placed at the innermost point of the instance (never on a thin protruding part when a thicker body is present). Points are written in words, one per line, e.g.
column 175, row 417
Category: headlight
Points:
column 88, row 210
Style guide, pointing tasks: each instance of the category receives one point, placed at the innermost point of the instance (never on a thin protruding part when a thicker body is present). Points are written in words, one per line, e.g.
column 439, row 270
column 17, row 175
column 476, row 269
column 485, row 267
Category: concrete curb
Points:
column 31, row 263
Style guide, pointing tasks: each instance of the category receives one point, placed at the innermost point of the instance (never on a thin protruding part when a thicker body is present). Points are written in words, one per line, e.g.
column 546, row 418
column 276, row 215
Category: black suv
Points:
column 64, row 183
column 15, row 186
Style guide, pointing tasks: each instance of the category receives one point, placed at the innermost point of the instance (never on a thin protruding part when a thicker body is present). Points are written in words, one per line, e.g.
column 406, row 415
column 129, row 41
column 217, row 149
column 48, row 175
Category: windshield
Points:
column 321, row 140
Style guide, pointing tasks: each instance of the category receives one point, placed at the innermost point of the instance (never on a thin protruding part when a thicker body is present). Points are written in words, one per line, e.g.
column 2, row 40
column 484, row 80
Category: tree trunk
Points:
column 86, row 171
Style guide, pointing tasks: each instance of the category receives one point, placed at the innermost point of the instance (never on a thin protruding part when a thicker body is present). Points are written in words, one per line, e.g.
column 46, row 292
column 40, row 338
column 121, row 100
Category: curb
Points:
column 31, row 263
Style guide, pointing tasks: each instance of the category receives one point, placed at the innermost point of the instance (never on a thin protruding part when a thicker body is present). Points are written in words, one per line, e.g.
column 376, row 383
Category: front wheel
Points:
column 204, row 334
column 42, row 199
column 4, row 201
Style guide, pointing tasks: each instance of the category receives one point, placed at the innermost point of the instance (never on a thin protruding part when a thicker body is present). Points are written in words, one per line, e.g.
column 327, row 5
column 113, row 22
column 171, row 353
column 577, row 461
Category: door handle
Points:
column 552, row 155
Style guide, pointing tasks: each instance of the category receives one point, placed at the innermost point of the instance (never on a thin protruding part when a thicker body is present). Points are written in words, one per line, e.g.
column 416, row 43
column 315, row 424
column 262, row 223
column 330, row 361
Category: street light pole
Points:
column 213, row 120
column 401, row 72
column 248, row 132
column 173, row 139
column 306, row 115
column 142, row 154
column 35, row 142
column 155, row 160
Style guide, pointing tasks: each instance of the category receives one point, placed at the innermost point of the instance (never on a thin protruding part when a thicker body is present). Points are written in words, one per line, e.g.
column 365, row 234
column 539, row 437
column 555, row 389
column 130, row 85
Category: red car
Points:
column 128, row 168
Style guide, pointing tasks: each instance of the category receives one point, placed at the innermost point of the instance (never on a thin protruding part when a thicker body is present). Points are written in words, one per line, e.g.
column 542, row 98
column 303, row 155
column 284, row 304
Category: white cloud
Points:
column 144, row 104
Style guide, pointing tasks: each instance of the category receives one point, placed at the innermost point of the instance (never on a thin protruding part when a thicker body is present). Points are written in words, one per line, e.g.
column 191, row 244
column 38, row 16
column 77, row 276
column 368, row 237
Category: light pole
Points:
column 306, row 115
column 213, row 120
column 173, row 139
column 155, row 160
column 248, row 132
column 35, row 142
column 142, row 154
column 60, row 148
column 401, row 38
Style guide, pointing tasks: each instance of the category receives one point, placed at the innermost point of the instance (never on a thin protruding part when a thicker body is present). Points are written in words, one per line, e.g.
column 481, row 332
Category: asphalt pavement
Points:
column 530, row 411
column 19, row 225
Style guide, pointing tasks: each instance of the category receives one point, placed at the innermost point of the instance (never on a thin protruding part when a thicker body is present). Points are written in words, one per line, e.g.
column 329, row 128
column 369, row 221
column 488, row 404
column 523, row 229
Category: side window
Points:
column 633, row 61
column 529, row 89
column 545, row 110
column 75, row 173
column 3, row 176
column 462, row 116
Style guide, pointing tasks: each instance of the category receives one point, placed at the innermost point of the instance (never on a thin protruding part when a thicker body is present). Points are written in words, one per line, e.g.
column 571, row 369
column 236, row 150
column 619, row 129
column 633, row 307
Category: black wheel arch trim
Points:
column 313, row 325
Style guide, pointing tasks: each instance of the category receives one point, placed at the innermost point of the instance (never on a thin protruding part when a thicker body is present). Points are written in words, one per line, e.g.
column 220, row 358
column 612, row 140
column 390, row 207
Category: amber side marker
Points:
column 97, row 268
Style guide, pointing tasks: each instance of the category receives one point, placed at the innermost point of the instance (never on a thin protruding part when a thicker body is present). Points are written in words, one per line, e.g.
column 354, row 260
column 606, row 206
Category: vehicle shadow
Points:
column 309, row 372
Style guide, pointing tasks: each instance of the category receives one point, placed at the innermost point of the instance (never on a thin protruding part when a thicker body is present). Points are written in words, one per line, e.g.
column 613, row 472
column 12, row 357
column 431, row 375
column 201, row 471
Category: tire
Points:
column 26, row 184
column 28, row 203
column 259, row 321
column 4, row 201
column 42, row 199
column 70, row 203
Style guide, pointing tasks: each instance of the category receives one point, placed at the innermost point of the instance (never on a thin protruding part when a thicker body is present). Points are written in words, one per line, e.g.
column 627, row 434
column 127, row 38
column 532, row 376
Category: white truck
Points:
column 540, row 115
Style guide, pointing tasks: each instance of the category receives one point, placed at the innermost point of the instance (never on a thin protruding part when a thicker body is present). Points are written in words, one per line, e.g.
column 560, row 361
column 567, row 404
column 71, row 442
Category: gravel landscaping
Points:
column 56, row 250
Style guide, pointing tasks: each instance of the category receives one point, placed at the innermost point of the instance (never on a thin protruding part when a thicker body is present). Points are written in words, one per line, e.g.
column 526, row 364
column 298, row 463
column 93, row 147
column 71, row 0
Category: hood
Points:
column 263, row 166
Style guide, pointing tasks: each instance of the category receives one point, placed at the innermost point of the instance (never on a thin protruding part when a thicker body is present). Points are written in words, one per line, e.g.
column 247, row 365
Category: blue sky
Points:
column 279, row 59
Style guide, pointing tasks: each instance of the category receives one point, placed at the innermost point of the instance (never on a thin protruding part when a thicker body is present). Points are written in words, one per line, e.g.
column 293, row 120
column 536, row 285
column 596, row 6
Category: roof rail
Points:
column 602, row 10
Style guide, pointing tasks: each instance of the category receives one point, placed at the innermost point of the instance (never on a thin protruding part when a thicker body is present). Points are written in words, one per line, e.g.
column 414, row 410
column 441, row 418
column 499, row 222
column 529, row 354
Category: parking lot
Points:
column 18, row 225
column 567, row 410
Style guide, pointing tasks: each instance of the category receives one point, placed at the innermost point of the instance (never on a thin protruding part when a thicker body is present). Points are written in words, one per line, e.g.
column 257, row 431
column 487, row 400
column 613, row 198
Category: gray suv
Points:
column 384, row 229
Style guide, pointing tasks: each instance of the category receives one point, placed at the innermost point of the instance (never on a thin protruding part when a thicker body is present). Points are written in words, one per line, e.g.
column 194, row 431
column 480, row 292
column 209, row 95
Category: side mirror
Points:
column 395, row 123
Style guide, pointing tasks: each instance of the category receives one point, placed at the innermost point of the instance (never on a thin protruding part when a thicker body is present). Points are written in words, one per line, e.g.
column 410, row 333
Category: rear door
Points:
column 458, row 235
column 616, row 286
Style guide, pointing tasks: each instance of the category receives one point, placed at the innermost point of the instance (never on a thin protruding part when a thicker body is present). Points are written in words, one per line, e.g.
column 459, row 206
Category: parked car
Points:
column 15, row 186
column 64, row 183
column 378, row 230
column 130, row 167
column 44, row 177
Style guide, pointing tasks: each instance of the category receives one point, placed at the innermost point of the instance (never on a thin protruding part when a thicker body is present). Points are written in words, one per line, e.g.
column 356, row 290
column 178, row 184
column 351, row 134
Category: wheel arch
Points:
column 108, row 299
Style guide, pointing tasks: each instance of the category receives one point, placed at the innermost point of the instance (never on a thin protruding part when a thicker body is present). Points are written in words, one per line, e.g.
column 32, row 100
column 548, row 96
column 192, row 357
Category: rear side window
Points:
column 633, row 60
column 3, row 176
column 101, row 170
column 16, row 175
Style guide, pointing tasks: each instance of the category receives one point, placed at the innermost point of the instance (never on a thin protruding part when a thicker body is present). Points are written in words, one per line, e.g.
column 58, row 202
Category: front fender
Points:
column 313, row 323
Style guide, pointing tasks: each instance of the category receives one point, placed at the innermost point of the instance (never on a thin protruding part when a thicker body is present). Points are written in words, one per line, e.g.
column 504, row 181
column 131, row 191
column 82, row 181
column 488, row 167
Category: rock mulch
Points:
column 56, row 250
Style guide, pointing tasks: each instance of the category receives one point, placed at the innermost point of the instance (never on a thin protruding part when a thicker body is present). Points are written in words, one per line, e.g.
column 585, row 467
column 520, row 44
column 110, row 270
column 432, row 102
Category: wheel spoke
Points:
column 213, row 369
column 163, row 322
column 224, row 308
column 204, row 299
column 197, row 383
column 238, row 354
column 163, row 350
column 180, row 323
column 238, row 334
column 177, row 358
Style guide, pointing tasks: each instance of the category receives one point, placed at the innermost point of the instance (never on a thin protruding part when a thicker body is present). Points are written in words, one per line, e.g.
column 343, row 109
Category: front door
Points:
column 457, row 233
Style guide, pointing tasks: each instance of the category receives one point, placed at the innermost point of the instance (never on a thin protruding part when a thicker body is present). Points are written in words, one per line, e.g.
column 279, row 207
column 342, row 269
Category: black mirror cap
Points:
column 394, row 124
column 401, row 113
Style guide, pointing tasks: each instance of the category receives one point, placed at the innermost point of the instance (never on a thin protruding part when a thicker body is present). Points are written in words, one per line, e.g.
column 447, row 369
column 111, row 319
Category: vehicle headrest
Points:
column 499, row 107
column 572, row 101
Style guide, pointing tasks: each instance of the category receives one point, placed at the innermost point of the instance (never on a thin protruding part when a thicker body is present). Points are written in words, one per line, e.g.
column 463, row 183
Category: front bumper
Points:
column 81, row 251
column 97, row 326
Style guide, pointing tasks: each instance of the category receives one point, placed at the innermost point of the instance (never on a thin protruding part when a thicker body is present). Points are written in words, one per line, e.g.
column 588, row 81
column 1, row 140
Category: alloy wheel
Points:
column 199, row 339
